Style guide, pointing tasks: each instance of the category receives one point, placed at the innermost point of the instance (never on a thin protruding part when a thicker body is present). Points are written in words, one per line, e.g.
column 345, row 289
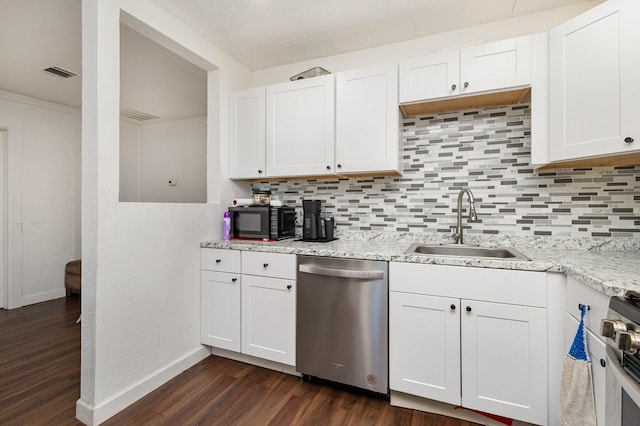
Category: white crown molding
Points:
column 39, row 103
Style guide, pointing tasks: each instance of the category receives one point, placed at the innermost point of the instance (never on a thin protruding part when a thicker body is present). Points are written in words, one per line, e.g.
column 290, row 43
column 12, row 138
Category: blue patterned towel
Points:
column 577, row 403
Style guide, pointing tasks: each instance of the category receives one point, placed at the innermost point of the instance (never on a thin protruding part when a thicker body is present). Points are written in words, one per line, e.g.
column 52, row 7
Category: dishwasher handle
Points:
column 341, row 273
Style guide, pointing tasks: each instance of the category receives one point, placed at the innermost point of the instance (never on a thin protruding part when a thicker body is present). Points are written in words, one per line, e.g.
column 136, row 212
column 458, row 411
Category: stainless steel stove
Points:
column 622, row 330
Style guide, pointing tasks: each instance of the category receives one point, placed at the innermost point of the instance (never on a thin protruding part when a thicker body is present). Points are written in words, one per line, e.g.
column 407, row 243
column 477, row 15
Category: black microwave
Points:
column 263, row 222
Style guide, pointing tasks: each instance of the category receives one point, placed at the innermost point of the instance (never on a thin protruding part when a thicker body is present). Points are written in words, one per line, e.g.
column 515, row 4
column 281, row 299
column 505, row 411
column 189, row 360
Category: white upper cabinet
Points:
column 594, row 84
column 494, row 66
column 300, row 127
column 247, row 134
column 430, row 77
column 367, row 120
column 483, row 68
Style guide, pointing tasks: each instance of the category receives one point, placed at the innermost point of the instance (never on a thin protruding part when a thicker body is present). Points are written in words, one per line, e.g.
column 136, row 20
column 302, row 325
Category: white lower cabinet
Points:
column 474, row 337
column 269, row 318
column 248, row 303
column 424, row 346
column 503, row 357
column 220, row 309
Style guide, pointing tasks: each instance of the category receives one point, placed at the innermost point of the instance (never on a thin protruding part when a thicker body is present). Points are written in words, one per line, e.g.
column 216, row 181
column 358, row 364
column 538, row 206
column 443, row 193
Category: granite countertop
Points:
column 611, row 272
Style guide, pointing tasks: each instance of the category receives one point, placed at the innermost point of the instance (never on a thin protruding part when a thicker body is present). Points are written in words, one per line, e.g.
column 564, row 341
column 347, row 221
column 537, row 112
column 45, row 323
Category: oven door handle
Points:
column 614, row 367
column 341, row 273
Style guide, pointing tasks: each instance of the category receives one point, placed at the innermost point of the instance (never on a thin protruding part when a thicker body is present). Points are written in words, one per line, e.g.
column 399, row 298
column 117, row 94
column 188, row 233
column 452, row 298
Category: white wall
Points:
column 151, row 154
column 129, row 162
column 140, row 299
column 522, row 25
column 43, row 196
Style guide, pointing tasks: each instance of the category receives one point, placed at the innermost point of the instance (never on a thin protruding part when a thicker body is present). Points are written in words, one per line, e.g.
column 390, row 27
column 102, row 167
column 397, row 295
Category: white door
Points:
column 220, row 309
column 424, row 346
column 247, row 134
column 504, row 360
column 367, row 120
column 269, row 318
column 594, row 88
column 3, row 218
column 300, row 127
column 430, row 77
column 497, row 65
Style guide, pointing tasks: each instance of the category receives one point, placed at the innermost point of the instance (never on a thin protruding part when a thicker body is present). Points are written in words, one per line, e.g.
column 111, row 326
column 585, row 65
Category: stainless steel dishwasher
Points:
column 342, row 321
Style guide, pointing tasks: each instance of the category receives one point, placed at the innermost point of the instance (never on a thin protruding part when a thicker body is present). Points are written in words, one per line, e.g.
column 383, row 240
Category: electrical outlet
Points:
column 173, row 182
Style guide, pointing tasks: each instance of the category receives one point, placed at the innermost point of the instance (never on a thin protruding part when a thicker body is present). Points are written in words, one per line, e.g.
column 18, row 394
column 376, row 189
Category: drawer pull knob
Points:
column 289, row 287
column 265, row 265
column 580, row 305
column 603, row 362
column 233, row 280
column 468, row 308
column 453, row 307
column 628, row 140
column 218, row 260
column 453, row 87
column 466, row 84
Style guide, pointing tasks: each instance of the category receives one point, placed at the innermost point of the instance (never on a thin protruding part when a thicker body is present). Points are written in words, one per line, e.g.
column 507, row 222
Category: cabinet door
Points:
column 430, row 77
column 247, row 134
column 300, row 127
column 504, row 360
column 497, row 65
column 597, row 353
column 269, row 318
column 367, row 120
column 424, row 346
column 220, row 310
column 594, row 88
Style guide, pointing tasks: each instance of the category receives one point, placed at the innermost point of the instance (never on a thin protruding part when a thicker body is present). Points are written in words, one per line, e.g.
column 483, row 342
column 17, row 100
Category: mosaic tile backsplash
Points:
column 488, row 150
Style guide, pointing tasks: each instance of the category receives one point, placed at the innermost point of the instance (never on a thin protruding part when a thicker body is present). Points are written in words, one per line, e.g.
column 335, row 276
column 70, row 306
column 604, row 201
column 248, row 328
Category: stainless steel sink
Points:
column 505, row 253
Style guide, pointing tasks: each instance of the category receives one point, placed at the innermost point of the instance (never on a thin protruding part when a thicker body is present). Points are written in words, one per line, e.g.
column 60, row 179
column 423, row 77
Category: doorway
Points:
column 3, row 218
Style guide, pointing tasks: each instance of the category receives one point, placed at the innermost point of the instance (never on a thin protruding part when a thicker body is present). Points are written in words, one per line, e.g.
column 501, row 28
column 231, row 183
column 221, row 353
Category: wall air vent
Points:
column 133, row 114
column 59, row 72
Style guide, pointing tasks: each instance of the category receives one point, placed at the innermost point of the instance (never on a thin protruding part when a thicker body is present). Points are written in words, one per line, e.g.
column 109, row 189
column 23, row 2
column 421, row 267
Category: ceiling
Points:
column 266, row 33
column 35, row 34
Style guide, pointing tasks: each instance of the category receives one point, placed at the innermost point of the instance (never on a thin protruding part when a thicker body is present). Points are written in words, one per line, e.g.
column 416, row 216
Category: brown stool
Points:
column 72, row 276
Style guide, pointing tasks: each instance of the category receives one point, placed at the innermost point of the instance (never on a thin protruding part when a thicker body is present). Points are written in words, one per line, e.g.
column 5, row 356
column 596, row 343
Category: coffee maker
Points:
column 314, row 226
column 311, row 229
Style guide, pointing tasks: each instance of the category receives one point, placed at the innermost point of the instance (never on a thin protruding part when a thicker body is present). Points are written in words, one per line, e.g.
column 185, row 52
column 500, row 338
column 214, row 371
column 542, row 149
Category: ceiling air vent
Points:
column 60, row 72
column 133, row 114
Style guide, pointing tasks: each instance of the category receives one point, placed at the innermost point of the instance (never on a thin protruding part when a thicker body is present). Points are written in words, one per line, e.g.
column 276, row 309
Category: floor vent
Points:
column 133, row 114
column 60, row 72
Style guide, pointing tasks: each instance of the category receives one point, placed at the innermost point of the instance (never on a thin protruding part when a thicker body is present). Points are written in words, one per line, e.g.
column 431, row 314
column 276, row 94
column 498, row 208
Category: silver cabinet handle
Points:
column 342, row 273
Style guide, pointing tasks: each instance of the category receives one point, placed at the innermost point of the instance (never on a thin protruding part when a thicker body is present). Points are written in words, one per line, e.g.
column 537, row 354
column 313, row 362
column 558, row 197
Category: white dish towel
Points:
column 577, row 404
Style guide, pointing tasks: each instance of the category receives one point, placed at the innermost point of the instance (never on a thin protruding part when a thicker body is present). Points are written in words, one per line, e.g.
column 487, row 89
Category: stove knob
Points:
column 611, row 328
column 628, row 341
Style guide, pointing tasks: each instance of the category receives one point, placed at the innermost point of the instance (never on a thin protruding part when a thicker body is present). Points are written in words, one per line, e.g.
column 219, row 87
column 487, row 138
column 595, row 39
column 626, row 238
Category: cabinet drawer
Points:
column 494, row 285
column 220, row 260
column 275, row 265
column 578, row 292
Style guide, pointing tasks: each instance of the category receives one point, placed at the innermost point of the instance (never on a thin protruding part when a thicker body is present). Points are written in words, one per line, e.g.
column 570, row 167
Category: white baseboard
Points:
column 260, row 362
column 42, row 297
column 94, row 415
column 400, row 399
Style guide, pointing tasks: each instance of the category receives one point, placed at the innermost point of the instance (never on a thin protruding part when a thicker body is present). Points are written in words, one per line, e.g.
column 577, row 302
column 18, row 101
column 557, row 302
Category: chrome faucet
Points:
column 473, row 217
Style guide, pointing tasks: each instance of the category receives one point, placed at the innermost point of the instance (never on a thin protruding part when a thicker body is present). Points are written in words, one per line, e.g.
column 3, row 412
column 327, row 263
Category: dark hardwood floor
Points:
column 40, row 383
column 40, row 363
